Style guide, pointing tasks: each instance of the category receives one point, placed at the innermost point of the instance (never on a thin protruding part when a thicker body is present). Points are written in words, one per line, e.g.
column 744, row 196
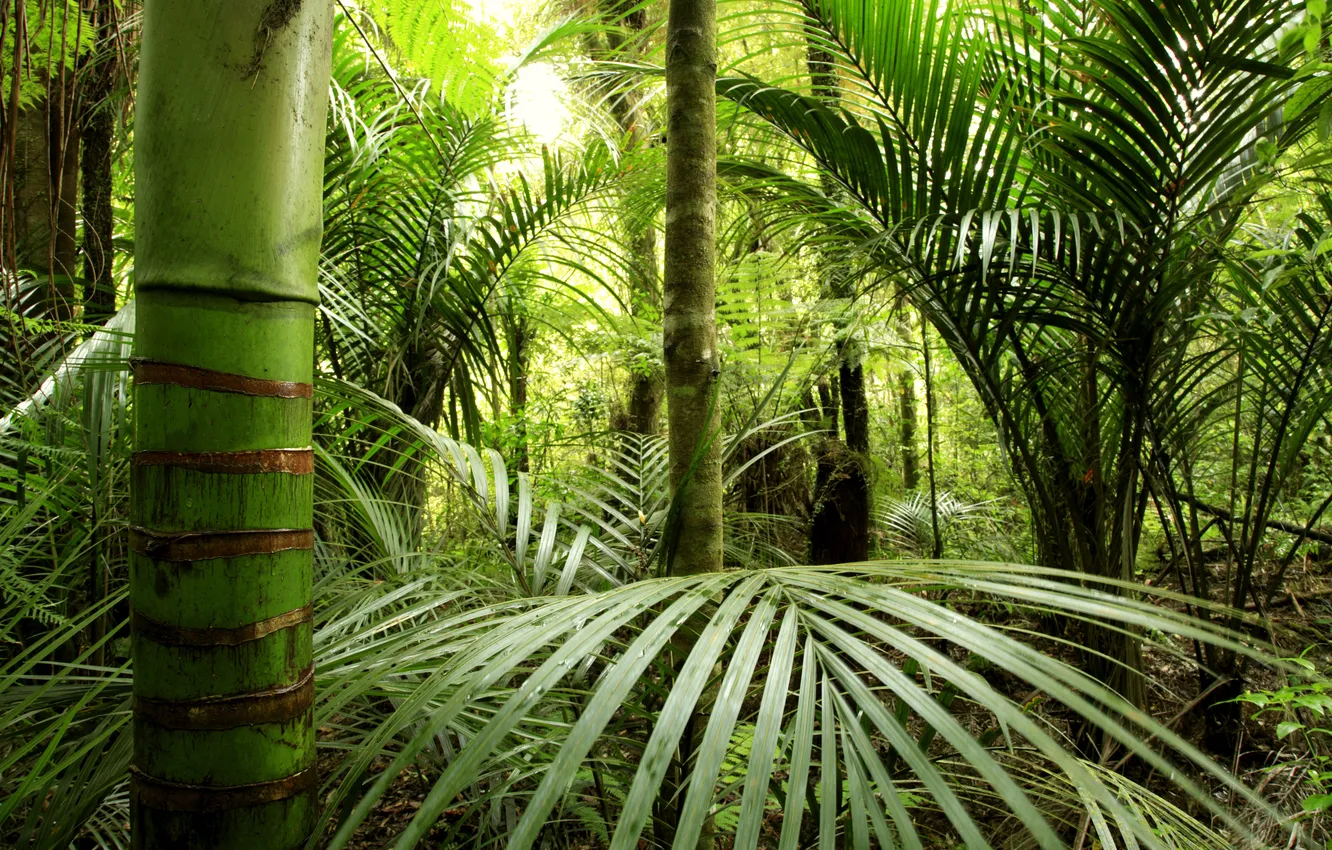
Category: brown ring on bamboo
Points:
column 178, row 797
column 167, row 635
column 212, row 714
column 251, row 462
column 192, row 377
column 186, row 546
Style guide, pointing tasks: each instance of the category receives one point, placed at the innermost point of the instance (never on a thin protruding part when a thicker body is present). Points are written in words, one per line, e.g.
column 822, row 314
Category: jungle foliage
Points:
column 1032, row 299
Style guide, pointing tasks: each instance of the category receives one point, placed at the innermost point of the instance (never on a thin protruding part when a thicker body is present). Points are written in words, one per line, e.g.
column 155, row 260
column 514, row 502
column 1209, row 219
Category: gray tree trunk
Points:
column 689, row 326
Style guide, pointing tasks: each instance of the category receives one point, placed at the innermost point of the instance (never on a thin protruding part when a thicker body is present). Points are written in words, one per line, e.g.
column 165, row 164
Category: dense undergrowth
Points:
column 530, row 685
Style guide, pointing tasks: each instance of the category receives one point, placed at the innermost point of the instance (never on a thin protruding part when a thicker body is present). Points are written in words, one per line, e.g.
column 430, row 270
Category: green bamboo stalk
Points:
column 689, row 322
column 229, row 137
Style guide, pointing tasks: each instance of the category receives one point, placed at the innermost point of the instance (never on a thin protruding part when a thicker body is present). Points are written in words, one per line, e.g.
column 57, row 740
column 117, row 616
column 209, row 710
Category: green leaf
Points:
column 1307, row 95
column 1317, row 803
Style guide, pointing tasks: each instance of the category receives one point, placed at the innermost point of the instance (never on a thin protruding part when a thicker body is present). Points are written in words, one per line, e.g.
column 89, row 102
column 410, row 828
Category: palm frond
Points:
column 846, row 630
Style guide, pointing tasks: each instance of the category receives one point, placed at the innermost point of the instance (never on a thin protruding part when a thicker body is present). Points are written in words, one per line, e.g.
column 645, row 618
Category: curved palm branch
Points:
column 843, row 683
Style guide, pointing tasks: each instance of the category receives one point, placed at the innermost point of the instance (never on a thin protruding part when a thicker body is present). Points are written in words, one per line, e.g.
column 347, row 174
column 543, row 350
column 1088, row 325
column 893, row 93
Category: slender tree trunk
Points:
column 855, row 406
column 642, row 414
column 30, row 231
column 690, row 319
column 645, row 388
column 98, row 134
column 228, row 221
column 906, row 399
column 937, row 551
column 520, row 356
column 43, row 187
column 423, row 398
column 689, row 337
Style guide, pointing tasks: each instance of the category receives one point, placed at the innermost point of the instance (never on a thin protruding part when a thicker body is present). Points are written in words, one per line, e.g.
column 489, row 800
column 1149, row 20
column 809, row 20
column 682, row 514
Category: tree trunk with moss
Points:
column 520, row 333
column 906, row 399
column 230, row 137
column 46, row 179
column 98, row 136
column 689, row 339
column 689, row 326
column 40, row 226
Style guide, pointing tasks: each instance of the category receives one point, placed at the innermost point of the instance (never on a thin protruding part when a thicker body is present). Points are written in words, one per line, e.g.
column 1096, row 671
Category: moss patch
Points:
column 277, row 15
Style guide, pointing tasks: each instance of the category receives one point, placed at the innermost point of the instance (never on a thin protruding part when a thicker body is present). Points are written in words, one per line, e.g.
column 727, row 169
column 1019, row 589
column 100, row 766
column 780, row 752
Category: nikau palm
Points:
column 1059, row 221
column 228, row 223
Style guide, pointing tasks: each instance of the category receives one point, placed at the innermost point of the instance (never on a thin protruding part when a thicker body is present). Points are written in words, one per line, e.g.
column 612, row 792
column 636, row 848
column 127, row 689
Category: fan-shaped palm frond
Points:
column 909, row 521
column 1078, row 815
column 810, row 660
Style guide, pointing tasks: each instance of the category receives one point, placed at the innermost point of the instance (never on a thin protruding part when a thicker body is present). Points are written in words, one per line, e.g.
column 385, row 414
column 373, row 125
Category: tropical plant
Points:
column 1246, row 410
column 988, row 153
column 689, row 290
column 428, row 661
column 910, row 523
column 221, row 496
column 438, row 268
column 1301, row 708
column 507, row 651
